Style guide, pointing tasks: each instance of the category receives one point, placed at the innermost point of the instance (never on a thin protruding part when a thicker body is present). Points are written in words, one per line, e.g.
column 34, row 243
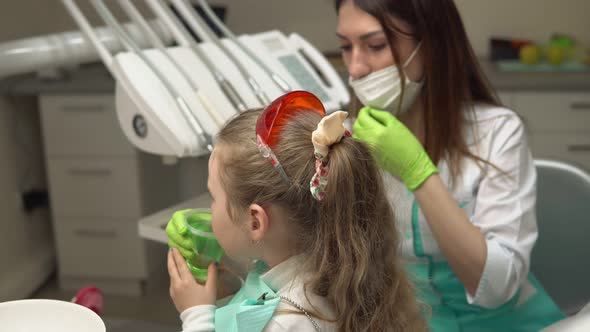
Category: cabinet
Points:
column 100, row 186
column 558, row 123
column 27, row 250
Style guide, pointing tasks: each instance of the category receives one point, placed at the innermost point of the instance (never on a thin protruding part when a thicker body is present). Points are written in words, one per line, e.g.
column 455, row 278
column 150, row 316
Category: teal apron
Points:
column 248, row 310
column 438, row 286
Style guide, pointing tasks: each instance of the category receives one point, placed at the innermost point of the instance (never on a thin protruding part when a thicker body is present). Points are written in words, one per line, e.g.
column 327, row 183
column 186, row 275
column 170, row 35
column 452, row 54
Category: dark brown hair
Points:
column 453, row 78
column 348, row 240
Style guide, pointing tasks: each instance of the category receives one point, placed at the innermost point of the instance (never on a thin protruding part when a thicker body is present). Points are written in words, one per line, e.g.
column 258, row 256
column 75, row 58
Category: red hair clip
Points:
column 274, row 117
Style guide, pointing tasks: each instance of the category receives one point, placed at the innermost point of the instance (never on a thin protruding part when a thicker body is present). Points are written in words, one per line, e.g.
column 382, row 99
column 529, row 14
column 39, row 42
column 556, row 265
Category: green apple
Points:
column 563, row 41
column 530, row 54
column 556, row 55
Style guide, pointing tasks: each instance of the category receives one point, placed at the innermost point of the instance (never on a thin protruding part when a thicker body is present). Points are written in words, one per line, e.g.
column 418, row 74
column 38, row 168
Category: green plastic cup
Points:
column 205, row 245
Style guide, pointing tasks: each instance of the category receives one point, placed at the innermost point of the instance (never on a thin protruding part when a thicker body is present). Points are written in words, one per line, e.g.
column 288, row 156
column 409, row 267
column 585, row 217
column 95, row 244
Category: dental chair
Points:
column 560, row 256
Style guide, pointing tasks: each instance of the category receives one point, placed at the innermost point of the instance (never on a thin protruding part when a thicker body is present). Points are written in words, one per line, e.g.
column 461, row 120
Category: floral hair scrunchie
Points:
column 330, row 130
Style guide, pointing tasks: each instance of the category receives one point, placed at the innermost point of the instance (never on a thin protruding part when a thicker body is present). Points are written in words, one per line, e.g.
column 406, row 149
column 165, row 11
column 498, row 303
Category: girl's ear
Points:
column 258, row 222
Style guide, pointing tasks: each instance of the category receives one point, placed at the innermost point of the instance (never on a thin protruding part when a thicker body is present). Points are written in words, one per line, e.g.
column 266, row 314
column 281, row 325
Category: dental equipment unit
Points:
column 174, row 92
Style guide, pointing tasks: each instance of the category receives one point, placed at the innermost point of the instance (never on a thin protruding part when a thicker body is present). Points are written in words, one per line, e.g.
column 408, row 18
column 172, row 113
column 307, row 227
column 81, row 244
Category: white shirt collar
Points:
column 284, row 273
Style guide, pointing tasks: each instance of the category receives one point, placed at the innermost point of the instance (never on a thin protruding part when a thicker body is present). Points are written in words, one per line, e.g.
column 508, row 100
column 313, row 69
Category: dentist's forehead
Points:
column 353, row 22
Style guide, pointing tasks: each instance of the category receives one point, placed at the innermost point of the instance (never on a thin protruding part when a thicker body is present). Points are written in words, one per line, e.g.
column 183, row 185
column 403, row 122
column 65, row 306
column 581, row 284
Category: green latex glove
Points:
column 178, row 236
column 396, row 149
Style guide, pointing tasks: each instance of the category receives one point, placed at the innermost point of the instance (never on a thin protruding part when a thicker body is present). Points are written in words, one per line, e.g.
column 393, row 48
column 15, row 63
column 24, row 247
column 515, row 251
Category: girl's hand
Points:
column 184, row 289
column 396, row 149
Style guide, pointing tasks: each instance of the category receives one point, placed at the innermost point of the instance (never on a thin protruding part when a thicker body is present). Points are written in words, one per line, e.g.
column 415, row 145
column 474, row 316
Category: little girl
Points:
column 294, row 192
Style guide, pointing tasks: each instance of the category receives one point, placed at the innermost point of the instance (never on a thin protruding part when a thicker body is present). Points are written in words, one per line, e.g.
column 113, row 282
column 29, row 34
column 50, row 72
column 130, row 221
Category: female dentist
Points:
column 458, row 169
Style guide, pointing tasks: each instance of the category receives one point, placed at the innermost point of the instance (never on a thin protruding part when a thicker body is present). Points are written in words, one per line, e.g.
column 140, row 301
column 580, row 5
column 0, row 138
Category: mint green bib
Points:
column 248, row 311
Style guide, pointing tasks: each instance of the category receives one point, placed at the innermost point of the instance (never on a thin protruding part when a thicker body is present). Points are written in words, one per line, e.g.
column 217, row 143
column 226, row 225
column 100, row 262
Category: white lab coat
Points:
column 501, row 207
column 284, row 279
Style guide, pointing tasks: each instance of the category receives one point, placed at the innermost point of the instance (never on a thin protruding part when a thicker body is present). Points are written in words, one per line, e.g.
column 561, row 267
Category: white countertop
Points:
column 153, row 226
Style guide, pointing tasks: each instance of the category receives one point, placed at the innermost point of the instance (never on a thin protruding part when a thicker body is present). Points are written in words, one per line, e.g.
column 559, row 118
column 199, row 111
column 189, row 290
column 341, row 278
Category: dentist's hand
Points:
column 178, row 236
column 396, row 149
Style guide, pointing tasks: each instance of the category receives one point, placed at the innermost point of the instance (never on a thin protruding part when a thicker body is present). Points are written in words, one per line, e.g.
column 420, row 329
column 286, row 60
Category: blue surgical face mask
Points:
column 383, row 88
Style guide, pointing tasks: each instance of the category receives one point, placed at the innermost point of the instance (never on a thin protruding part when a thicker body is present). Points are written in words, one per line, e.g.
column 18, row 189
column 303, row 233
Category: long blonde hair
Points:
column 349, row 239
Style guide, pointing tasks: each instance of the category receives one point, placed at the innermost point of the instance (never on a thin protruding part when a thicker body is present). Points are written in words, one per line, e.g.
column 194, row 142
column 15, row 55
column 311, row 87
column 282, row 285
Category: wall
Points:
column 243, row 16
column 316, row 20
column 31, row 18
column 530, row 19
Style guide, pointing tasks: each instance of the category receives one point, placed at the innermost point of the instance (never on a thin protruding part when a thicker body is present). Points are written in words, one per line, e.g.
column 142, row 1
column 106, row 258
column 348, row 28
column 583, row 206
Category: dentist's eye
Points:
column 378, row 47
column 345, row 48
